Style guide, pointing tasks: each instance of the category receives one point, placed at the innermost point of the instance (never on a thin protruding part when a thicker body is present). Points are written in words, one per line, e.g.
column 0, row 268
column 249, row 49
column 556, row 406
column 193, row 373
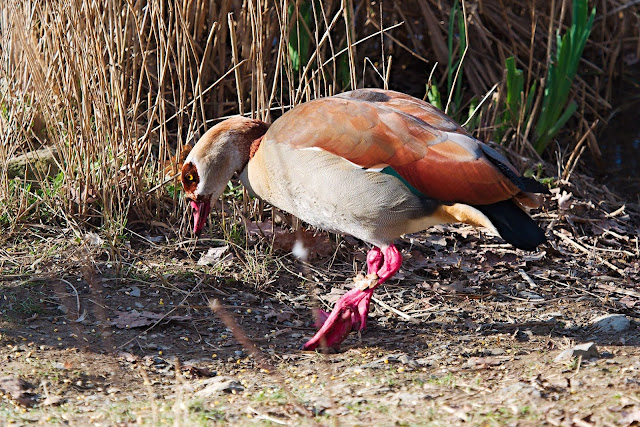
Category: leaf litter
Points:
column 469, row 334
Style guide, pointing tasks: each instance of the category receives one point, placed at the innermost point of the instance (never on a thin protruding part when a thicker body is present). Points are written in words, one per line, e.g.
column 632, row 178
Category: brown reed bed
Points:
column 117, row 89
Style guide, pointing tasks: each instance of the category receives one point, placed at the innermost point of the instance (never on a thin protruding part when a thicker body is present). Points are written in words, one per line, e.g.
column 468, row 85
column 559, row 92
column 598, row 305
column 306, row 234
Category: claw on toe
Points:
column 363, row 282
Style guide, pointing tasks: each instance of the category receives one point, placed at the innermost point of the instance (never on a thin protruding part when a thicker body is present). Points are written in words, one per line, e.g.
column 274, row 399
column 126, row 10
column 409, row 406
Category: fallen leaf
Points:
column 52, row 400
column 215, row 256
column 438, row 241
column 259, row 228
column 600, row 226
column 218, row 385
column 494, row 259
column 334, row 295
column 198, row 372
column 93, row 239
column 456, row 287
column 484, row 362
column 417, row 260
column 129, row 357
column 534, row 257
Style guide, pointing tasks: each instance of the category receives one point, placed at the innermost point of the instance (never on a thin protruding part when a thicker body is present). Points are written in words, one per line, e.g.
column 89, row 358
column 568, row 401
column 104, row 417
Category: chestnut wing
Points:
column 377, row 128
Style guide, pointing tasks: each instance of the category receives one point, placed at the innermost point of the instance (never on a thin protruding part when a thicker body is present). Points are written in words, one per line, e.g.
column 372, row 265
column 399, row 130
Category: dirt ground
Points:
column 469, row 332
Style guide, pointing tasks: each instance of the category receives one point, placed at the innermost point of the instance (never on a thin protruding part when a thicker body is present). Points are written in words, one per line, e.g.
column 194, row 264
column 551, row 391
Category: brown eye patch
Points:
column 190, row 178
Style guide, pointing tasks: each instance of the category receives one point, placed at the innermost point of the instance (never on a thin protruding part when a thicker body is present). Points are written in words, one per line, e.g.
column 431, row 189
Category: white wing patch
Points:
column 376, row 168
column 311, row 149
column 464, row 140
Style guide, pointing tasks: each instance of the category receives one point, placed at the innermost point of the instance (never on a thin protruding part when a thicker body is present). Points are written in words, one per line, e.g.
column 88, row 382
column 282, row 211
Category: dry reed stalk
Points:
column 119, row 87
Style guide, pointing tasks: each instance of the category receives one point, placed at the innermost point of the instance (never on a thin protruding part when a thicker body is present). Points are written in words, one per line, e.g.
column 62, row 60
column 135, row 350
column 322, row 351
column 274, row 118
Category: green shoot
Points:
column 299, row 39
column 562, row 70
column 514, row 108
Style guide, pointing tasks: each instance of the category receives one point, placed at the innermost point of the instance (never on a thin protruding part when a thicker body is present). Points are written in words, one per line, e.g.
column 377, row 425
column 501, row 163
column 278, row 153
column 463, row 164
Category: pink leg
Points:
column 374, row 263
column 392, row 263
column 374, row 260
column 350, row 312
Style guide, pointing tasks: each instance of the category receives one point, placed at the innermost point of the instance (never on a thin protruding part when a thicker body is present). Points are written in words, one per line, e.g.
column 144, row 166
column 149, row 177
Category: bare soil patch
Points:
column 466, row 333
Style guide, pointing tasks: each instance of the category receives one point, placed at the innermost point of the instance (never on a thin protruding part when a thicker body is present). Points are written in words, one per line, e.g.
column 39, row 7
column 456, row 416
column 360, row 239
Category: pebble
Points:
column 496, row 351
column 586, row 350
column 135, row 291
column 610, row 323
column 523, row 336
column 407, row 360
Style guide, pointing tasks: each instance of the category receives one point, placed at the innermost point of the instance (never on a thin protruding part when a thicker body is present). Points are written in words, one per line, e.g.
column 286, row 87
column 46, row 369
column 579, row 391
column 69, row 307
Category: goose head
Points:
column 221, row 152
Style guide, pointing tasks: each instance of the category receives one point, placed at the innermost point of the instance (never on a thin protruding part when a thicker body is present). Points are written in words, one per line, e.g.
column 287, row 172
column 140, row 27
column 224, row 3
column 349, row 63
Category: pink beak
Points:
column 201, row 210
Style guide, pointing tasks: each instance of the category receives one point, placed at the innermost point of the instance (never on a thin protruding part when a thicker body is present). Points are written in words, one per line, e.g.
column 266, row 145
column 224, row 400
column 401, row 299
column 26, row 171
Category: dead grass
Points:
column 467, row 334
column 119, row 88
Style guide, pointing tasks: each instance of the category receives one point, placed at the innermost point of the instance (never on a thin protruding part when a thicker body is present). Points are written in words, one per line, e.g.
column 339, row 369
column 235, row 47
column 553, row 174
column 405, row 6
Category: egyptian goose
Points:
column 375, row 164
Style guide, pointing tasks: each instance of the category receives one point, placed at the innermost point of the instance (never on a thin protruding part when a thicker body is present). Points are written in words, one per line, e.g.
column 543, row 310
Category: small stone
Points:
column 611, row 323
column 215, row 256
column 407, row 360
column 135, row 291
column 586, row 351
column 523, row 336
